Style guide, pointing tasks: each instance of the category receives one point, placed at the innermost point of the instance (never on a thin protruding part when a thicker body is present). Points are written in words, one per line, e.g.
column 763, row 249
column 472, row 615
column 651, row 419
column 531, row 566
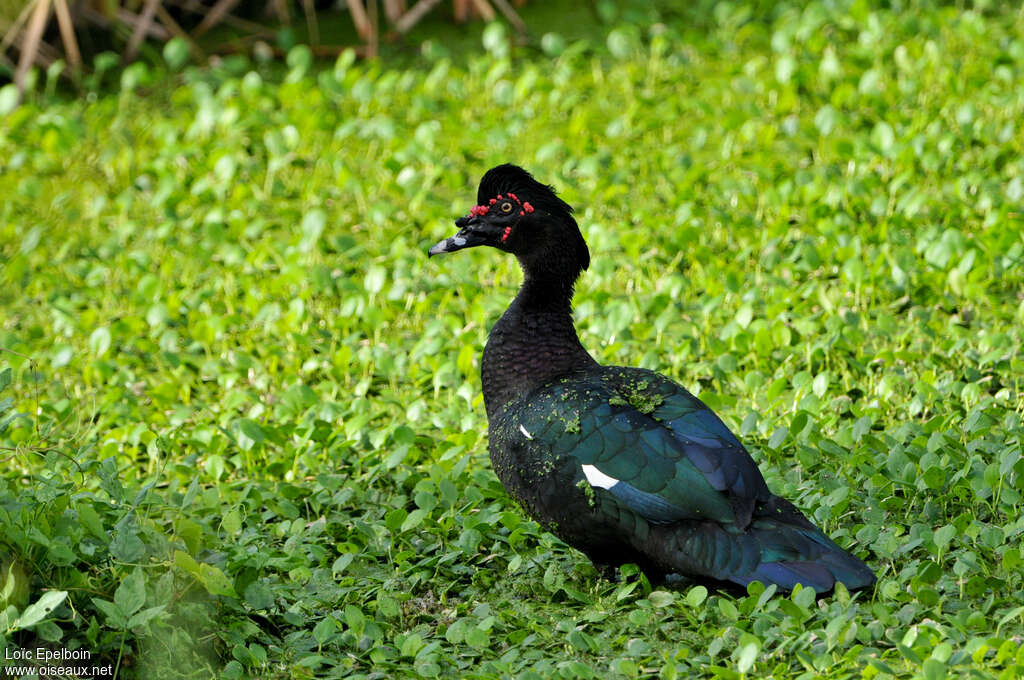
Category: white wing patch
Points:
column 525, row 432
column 598, row 478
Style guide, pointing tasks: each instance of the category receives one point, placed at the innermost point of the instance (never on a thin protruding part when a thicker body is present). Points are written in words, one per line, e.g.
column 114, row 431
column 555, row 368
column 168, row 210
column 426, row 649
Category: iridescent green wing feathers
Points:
column 648, row 442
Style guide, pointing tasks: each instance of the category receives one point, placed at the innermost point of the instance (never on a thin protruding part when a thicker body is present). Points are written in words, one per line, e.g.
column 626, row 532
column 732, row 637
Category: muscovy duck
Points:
column 621, row 463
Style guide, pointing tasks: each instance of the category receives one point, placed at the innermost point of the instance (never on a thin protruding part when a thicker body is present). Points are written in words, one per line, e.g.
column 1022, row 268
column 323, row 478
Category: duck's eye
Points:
column 506, row 207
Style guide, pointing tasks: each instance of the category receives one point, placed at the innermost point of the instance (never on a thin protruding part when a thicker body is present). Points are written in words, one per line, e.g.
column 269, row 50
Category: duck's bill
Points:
column 463, row 239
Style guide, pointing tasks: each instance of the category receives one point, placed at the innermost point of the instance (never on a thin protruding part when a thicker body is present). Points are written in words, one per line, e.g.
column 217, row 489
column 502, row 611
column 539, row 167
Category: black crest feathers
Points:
column 508, row 178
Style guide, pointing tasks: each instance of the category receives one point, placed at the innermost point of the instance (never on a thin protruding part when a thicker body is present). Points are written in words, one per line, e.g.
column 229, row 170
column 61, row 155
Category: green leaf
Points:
column 190, row 532
column 40, row 609
column 324, row 630
column 14, row 585
column 696, row 596
column 9, row 98
column 620, row 43
column 414, row 519
column 374, row 280
column 99, row 341
column 232, row 522
column 258, row 595
column 778, row 437
column 934, row 669
column 411, row 645
column 142, row 618
column 300, row 59
column 495, row 39
column 313, row 223
column 553, row 44
column 250, row 434
column 131, row 594
column 943, row 536
column 115, row 617
column 176, row 53
column 804, row 597
column 215, row 581
column 477, row 637
column 125, row 544
column 1016, row 612
column 354, row 618
column 748, row 655
column 91, row 520
column 184, row 561
column 661, row 598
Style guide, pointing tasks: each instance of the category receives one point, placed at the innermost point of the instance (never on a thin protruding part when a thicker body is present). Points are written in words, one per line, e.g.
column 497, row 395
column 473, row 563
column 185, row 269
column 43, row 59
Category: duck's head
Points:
column 519, row 215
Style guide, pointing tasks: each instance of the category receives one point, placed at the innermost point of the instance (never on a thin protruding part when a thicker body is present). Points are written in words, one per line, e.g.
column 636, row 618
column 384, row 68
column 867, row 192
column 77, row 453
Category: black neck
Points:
column 534, row 342
column 546, row 293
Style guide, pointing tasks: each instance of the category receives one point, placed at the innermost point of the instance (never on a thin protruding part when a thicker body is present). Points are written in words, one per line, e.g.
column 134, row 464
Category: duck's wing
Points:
column 652, row 445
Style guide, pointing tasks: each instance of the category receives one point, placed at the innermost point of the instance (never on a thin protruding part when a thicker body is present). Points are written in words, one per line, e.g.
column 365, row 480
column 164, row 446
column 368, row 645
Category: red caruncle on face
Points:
column 481, row 210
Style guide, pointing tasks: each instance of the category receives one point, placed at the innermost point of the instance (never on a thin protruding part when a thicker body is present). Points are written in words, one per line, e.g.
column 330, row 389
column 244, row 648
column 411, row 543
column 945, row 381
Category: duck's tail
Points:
column 780, row 546
column 793, row 554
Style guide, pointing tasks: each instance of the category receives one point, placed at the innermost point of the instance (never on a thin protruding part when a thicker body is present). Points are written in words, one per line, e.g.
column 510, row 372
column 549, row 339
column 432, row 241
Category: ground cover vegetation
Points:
column 240, row 411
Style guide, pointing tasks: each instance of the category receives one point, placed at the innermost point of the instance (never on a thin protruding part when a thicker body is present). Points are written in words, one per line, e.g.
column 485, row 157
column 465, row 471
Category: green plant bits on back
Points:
column 645, row 403
column 588, row 491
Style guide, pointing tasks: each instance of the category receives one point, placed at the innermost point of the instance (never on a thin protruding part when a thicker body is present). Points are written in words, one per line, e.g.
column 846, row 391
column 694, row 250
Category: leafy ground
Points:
column 251, row 439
